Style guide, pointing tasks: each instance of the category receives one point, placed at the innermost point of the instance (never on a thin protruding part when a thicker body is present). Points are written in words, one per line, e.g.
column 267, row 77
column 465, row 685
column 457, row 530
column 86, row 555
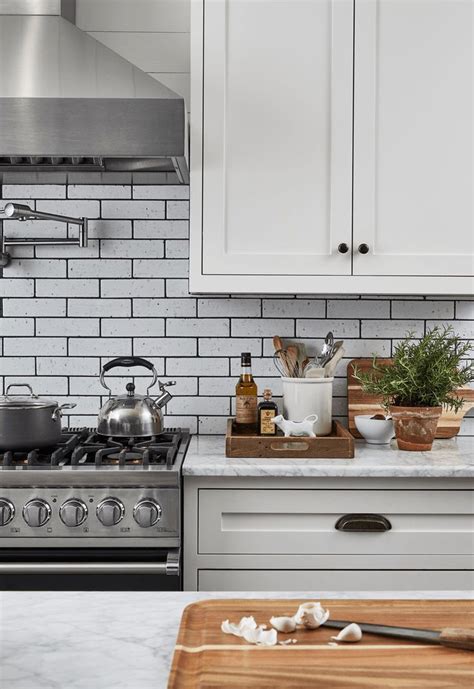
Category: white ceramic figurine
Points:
column 292, row 428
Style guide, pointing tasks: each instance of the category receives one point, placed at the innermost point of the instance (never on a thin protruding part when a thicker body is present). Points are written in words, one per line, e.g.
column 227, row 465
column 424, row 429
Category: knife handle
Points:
column 457, row 638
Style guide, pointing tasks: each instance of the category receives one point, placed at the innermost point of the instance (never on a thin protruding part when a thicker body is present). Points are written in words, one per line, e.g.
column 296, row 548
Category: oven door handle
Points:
column 171, row 567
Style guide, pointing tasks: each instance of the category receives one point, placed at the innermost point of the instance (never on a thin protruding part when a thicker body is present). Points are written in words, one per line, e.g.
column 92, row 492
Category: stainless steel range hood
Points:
column 69, row 103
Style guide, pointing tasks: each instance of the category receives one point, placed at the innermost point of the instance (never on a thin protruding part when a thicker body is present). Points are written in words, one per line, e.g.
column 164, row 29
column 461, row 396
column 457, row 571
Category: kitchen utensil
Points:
column 326, row 352
column 204, row 656
column 337, row 354
column 286, row 363
column 29, row 421
column 375, row 431
column 360, row 402
column 313, row 371
column 132, row 415
column 305, row 396
column 453, row 637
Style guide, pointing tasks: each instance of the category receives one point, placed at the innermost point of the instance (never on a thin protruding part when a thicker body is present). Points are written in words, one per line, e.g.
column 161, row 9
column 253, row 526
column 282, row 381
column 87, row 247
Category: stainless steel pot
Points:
column 28, row 421
column 132, row 415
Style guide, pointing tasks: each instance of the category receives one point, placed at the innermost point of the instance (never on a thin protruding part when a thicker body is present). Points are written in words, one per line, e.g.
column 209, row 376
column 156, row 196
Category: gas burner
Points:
column 84, row 447
column 152, row 450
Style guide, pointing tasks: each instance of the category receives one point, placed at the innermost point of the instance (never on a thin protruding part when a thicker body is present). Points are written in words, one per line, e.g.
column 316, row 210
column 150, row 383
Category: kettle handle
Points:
column 127, row 362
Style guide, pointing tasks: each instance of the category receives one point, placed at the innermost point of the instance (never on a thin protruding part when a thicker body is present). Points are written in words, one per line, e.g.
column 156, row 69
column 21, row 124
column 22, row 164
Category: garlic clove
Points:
column 237, row 629
column 311, row 615
column 260, row 637
column 349, row 634
column 283, row 624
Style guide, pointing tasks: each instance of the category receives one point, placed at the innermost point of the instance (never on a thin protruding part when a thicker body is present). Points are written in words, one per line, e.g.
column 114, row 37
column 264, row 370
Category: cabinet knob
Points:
column 363, row 249
column 343, row 248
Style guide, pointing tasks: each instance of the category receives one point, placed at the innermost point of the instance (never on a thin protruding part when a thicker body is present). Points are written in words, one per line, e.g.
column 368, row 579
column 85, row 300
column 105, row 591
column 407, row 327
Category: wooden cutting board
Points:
column 359, row 402
column 205, row 658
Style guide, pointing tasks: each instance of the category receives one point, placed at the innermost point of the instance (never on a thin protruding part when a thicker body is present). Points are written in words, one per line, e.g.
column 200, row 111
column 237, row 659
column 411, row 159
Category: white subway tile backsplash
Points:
column 11, row 327
column 68, row 327
column 34, row 346
column 133, row 209
column 153, row 191
column 50, row 287
column 165, row 268
column 98, row 191
column 34, row 307
column 249, row 308
column 161, row 229
column 16, row 287
column 137, row 327
column 177, row 210
column 197, row 326
column 17, row 366
column 100, row 268
column 132, row 248
column 66, row 311
column 132, row 288
column 294, row 308
column 164, row 307
column 165, row 346
column 99, row 307
column 108, row 347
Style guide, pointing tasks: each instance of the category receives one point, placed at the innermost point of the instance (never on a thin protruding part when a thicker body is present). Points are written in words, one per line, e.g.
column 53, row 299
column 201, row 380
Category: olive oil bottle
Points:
column 246, row 396
column 267, row 410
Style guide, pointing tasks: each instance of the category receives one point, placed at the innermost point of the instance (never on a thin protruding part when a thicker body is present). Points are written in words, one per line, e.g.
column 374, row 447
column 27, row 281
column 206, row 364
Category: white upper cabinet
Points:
column 305, row 145
column 413, row 137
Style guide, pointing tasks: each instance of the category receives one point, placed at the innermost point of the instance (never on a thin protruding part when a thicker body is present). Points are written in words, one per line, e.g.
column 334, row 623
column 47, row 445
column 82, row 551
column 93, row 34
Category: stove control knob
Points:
column 73, row 512
column 36, row 512
column 147, row 513
column 110, row 511
column 7, row 511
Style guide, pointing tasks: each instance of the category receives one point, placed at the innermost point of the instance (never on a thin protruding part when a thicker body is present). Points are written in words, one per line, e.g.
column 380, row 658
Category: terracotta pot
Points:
column 415, row 427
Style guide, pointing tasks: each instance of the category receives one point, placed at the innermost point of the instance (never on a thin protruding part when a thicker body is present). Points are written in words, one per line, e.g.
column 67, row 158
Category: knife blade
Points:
column 452, row 637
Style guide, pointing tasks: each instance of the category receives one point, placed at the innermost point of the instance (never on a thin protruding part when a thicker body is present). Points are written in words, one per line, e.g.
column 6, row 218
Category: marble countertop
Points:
column 452, row 458
column 111, row 640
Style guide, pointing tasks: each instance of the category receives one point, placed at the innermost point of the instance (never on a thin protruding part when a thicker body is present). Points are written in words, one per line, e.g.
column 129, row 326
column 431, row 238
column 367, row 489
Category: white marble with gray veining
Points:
column 110, row 640
column 452, row 458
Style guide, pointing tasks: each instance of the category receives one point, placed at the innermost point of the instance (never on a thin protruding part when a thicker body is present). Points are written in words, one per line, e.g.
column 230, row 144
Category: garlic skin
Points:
column 283, row 624
column 311, row 615
column 247, row 629
column 350, row 634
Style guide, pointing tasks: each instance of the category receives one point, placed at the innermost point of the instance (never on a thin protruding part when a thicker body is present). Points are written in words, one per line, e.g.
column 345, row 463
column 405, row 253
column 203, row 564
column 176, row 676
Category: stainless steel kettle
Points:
column 132, row 415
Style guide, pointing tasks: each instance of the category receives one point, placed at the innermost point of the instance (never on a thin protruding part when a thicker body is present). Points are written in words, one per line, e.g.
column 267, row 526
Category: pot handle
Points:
column 58, row 412
column 21, row 385
column 127, row 362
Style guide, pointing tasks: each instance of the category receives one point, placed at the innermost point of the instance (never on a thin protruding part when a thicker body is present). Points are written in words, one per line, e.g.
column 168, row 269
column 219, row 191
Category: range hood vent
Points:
column 69, row 103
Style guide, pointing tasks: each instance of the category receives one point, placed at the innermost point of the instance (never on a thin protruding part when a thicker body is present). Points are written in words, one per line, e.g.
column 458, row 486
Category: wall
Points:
column 69, row 310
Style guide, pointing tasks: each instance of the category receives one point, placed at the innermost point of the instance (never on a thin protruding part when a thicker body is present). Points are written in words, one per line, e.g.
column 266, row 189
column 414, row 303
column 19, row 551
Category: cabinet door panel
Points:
column 276, row 107
column 413, row 137
column 333, row 580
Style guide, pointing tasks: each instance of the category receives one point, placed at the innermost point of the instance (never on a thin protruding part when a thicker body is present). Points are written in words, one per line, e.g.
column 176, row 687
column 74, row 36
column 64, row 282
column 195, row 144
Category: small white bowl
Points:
column 375, row 431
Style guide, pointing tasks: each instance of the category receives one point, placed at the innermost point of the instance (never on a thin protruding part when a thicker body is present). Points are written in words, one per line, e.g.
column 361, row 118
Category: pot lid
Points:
column 13, row 401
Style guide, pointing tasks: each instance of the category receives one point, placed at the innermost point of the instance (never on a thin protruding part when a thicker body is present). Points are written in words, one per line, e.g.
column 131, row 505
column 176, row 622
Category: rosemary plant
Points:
column 425, row 372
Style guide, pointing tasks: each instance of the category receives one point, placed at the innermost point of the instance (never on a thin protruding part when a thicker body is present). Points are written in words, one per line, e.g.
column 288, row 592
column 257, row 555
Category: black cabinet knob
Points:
column 363, row 249
column 343, row 248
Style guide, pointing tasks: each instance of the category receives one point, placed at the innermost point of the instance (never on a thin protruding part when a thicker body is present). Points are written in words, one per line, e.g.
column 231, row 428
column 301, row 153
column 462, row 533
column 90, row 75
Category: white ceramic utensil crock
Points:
column 305, row 396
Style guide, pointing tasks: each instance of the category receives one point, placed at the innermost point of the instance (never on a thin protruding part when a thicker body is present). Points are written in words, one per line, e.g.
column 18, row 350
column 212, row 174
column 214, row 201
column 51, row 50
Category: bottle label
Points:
column 267, row 427
column 246, row 411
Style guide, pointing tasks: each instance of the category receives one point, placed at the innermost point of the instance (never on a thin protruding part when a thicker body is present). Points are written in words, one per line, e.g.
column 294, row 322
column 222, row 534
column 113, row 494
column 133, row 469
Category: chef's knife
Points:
column 453, row 637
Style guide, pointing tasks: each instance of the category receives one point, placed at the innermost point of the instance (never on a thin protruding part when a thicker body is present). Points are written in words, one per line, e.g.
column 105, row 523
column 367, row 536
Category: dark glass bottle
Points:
column 267, row 410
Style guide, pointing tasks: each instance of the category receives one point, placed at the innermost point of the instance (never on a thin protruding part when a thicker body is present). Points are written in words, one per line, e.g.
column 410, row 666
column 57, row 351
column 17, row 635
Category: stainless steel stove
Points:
column 93, row 512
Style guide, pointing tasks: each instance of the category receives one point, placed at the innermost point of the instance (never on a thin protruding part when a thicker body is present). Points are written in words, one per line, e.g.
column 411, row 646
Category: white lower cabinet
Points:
column 310, row 534
column 332, row 580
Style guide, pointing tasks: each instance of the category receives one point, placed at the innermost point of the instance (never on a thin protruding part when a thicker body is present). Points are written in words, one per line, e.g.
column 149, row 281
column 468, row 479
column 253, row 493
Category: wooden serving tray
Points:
column 338, row 445
column 359, row 402
column 205, row 658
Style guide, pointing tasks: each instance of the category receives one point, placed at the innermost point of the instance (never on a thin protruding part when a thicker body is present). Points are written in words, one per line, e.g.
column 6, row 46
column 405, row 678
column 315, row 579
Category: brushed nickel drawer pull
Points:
column 363, row 522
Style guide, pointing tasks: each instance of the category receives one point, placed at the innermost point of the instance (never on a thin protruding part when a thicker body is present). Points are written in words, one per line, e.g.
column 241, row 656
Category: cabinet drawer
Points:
column 333, row 580
column 303, row 522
